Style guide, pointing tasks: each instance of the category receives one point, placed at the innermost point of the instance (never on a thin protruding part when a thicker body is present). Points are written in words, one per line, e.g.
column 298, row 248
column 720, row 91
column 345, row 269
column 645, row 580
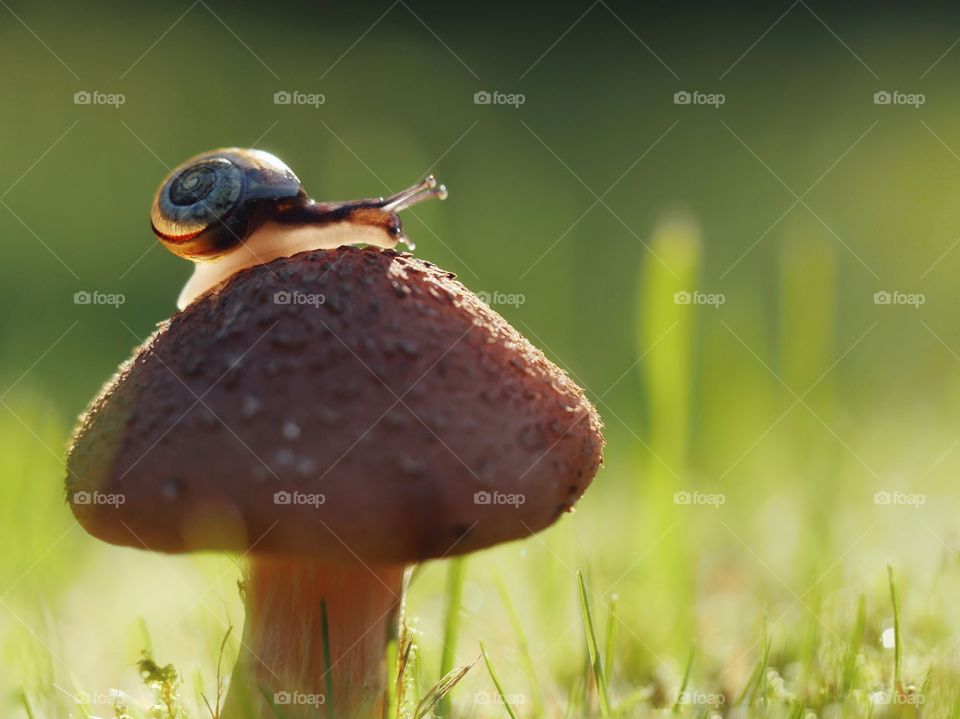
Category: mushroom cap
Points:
column 344, row 404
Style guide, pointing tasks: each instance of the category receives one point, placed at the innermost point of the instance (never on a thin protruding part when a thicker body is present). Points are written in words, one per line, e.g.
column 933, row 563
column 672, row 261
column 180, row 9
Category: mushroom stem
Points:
column 282, row 664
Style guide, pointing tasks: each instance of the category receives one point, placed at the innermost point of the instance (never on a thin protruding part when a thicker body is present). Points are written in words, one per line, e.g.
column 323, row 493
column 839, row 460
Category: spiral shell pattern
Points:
column 203, row 208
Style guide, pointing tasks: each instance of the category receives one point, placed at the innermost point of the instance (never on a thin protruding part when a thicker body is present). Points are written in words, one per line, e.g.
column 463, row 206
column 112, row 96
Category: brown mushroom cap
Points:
column 343, row 404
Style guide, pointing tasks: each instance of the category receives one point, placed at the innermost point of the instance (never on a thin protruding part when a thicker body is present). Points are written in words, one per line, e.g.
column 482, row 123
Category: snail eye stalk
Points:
column 414, row 195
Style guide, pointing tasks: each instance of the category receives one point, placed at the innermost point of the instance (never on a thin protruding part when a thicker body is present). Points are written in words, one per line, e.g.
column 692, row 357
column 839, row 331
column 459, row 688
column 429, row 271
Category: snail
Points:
column 234, row 208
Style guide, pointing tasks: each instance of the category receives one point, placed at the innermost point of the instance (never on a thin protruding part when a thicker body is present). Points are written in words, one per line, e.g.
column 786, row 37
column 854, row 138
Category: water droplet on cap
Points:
column 291, row 430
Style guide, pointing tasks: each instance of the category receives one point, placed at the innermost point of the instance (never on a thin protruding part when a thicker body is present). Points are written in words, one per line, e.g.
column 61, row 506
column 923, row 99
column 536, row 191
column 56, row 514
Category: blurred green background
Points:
column 795, row 397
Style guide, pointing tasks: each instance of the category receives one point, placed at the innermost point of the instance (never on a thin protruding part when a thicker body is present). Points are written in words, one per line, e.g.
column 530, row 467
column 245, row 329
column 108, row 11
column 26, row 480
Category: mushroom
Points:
column 335, row 416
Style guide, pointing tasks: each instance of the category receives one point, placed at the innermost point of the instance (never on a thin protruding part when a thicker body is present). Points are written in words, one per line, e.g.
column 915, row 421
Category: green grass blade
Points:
column 760, row 686
column 666, row 333
column 898, row 646
column 408, row 672
column 765, row 663
column 496, row 681
column 684, row 682
column 522, row 645
column 853, row 648
column 926, row 685
column 748, row 687
column 25, row 703
column 759, row 689
column 268, row 698
column 595, row 660
column 393, row 669
column 451, row 629
column 610, row 640
column 442, row 689
column 398, row 654
column 666, row 343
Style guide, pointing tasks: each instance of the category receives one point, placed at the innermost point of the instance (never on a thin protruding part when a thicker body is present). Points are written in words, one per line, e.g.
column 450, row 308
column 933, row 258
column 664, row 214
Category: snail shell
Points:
column 214, row 201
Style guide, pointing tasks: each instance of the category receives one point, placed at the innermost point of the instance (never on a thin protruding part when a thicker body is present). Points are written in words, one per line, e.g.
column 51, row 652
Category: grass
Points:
column 451, row 626
column 766, row 692
column 897, row 634
column 596, row 665
column 501, row 694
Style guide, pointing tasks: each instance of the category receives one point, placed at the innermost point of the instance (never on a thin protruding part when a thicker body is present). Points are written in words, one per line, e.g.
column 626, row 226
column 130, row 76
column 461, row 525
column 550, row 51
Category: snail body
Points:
column 234, row 208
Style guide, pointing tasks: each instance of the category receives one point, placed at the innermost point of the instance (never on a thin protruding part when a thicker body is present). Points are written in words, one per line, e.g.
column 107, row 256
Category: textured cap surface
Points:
column 346, row 403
